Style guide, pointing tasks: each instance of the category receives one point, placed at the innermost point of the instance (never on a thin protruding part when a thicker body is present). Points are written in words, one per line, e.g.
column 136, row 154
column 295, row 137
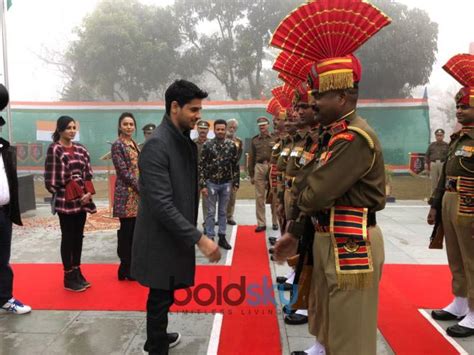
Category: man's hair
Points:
column 183, row 92
column 216, row 122
column 233, row 120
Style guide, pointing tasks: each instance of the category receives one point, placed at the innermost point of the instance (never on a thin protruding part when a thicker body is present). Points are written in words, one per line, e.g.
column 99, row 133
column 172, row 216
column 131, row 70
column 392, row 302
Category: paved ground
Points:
column 63, row 332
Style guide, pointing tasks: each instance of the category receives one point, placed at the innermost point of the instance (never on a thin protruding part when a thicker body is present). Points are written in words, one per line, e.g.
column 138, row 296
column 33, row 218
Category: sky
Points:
column 35, row 28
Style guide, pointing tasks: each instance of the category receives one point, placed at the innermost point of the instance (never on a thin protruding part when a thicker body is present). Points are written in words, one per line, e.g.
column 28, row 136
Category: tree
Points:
column 401, row 56
column 235, row 52
column 124, row 50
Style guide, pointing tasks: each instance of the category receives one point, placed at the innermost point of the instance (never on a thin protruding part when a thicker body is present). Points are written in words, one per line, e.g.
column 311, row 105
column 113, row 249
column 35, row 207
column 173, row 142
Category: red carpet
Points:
column 404, row 290
column 40, row 285
column 251, row 329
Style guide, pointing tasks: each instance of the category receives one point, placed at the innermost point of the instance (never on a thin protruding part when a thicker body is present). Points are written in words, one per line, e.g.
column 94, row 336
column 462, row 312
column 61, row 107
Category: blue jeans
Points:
column 217, row 193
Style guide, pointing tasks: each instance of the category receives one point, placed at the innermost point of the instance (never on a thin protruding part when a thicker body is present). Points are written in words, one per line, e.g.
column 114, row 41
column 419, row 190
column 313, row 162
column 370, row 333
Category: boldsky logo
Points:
column 236, row 294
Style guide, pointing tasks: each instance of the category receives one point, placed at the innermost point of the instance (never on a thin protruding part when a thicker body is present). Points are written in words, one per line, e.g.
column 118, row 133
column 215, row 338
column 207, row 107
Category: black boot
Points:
column 124, row 272
column 71, row 281
column 223, row 242
column 81, row 277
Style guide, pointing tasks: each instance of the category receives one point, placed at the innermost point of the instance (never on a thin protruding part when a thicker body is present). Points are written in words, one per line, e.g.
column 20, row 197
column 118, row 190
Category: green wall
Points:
column 401, row 129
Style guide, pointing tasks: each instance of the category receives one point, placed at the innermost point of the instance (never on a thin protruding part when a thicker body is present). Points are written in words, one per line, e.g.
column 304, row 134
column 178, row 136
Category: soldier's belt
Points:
column 323, row 220
column 464, row 186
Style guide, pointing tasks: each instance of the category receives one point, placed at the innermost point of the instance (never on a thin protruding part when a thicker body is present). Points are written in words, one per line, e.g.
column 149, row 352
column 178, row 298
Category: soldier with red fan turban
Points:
column 345, row 183
column 453, row 201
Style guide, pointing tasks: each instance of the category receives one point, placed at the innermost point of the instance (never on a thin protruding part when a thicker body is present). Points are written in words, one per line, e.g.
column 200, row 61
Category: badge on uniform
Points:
column 276, row 146
column 465, row 151
column 306, row 158
column 296, row 152
column 285, row 152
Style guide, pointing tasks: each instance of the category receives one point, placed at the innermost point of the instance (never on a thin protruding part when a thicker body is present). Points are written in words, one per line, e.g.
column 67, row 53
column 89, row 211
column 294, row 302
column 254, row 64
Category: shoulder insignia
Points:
column 364, row 134
column 347, row 136
column 276, row 146
column 338, row 128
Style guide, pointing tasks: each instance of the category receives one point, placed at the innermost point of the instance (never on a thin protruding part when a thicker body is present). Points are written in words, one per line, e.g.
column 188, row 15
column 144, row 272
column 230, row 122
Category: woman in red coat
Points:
column 125, row 157
column 68, row 176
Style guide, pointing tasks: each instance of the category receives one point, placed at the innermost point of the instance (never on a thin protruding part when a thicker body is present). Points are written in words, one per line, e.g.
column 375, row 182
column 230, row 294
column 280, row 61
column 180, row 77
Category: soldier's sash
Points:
column 353, row 256
column 465, row 188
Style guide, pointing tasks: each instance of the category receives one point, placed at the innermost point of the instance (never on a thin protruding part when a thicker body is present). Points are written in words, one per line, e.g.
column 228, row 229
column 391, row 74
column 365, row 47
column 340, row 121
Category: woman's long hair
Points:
column 122, row 117
column 61, row 125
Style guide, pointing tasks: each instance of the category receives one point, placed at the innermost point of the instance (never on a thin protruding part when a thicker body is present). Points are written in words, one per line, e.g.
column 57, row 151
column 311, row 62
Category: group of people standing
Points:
column 68, row 177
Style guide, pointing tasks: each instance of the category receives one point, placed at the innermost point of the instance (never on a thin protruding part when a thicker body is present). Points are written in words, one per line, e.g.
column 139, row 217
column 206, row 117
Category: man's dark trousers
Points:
column 6, row 273
column 158, row 306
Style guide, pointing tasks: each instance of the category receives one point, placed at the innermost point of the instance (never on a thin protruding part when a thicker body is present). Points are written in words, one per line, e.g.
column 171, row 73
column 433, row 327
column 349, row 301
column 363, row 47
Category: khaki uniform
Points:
column 435, row 156
column 292, row 169
column 259, row 169
column 275, row 175
column 204, row 204
column 282, row 163
column 349, row 171
column 456, row 183
column 233, row 194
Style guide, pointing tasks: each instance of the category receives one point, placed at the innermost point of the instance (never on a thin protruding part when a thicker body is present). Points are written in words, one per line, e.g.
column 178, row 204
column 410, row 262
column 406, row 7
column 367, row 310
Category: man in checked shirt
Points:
column 218, row 175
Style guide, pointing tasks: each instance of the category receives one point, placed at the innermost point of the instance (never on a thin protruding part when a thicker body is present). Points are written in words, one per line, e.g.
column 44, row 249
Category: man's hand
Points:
column 209, row 249
column 86, row 198
column 252, row 181
column 431, row 219
column 204, row 192
column 235, row 188
column 285, row 247
column 427, row 167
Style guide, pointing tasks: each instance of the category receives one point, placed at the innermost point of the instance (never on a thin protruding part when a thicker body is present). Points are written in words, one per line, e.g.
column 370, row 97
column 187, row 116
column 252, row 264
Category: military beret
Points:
column 262, row 121
column 149, row 127
column 203, row 124
column 439, row 130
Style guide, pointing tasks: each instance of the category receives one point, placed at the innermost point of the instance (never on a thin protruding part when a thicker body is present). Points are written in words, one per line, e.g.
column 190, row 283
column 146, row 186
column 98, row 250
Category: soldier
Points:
column 203, row 130
column 435, row 157
column 456, row 207
column 232, row 127
column 259, row 167
column 305, row 143
column 344, row 184
column 147, row 131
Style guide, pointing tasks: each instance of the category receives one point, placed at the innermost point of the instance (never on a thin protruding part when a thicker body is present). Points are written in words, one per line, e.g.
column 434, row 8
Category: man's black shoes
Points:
column 281, row 279
column 296, row 319
column 275, row 227
column 441, row 314
column 231, row 222
column 260, row 229
column 458, row 331
column 223, row 242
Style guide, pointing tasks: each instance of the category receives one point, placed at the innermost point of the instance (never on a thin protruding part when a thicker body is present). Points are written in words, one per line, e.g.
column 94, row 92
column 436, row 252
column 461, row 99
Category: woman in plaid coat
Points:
column 125, row 158
column 68, row 176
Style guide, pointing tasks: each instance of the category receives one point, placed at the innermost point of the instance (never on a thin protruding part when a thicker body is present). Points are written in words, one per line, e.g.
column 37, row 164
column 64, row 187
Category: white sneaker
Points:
column 16, row 307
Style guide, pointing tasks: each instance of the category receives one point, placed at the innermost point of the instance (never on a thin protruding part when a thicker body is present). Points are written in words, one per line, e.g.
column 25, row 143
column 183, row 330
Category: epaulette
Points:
column 347, row 136
column 364, row 134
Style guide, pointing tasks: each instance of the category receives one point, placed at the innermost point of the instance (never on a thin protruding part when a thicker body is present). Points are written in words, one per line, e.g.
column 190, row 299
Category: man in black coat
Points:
column 165, row 234
column 9, row 213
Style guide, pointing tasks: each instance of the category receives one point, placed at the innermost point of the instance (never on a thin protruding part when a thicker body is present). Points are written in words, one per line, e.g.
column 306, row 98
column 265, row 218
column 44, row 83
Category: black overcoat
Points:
column 163, row 255
column 8, row 154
